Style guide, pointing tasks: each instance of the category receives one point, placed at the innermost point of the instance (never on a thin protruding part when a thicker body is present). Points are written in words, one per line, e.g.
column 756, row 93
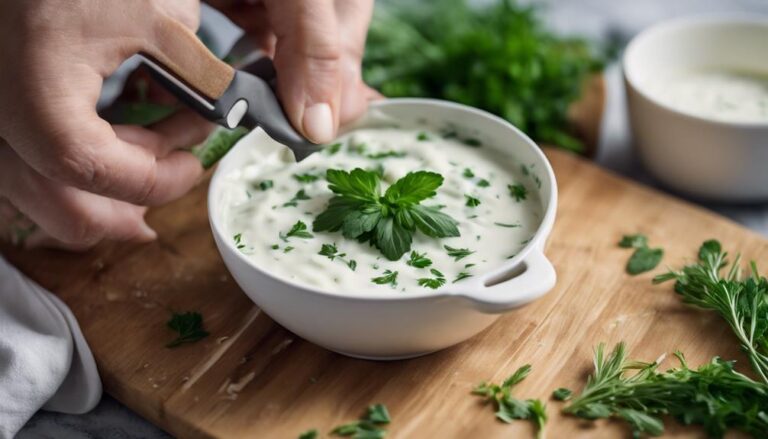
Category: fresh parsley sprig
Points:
column 388, row 222
column 742, row 302
column 509, row 408
column 388, row 278
column 298, row 230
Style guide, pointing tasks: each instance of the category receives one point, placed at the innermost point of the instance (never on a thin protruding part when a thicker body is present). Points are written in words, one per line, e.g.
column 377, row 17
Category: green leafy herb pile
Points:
column 498, row 57
column 741, row 301
column 508, row 408
column 643, row 258
column 388, row 222
column 713, row 396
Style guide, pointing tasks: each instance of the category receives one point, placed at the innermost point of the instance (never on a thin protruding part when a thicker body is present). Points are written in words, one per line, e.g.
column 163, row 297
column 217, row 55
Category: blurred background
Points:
column 527, row 61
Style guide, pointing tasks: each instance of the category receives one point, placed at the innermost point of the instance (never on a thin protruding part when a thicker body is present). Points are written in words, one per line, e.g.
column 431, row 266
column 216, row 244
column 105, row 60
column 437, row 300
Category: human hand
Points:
column 77, row 177
column 317, row 48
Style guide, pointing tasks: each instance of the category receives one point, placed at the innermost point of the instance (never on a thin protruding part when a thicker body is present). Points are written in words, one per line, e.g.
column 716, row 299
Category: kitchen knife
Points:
column 227, row 96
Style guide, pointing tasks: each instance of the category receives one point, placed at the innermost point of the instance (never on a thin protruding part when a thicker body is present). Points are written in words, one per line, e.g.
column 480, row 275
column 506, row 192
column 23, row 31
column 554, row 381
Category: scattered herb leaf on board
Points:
column 309, row 434
column 388, row 222
column 508, row 408
column 189, row 325
column 713, row 396
column 511, row 65
column 368, row 427
column 562, row 394
column 644, row 258
column 742, row 301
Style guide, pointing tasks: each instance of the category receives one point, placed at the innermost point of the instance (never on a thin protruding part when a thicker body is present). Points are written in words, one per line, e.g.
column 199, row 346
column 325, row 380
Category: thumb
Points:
column 307, row 61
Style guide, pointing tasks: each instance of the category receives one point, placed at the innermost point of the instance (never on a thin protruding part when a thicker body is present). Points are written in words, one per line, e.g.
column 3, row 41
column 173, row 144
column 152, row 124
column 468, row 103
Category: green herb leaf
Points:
column 413, row 188
column 298, row 230
column 419, row 260
column 710, row 248
column 468, row 173
column 518, row 192
column 306, row 178
column 389, row 277
column 509, row 408
column 358, row 185
column 562, row 394
column 265, row 185
column 332, row 149
column 483, row 183
column 392, row 239
column 378, row 414
column 458, row 253
column 471, row 201
column 461, row 276
column 189, row 325
column 434, row 223
column 422, row 136
column 644, row 259
column 507, row 225
column 300, row 196
column 238, row 238
column 433, row 283
column 634, row 241
column 309, row 434
column 386, row 155
column 332, row 252
column 368, row 427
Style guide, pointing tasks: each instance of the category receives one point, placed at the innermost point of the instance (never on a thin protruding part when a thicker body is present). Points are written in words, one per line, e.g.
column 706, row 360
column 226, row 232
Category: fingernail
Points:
column 318, row 123
column 146, row 232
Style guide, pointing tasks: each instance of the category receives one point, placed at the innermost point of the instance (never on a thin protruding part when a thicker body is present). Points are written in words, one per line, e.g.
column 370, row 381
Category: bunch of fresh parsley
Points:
column 741, row 302
column 495, row 55
column 388, row 222
column 508, row 408
column 713, row 396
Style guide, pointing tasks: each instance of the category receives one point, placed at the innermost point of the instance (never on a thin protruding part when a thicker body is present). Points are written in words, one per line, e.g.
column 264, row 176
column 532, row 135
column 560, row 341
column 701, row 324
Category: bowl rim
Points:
column 537, row 242
column 682, row 23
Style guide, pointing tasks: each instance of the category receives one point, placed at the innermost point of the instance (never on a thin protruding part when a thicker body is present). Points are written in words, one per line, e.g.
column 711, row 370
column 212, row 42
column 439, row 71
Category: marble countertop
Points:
column 615, row 19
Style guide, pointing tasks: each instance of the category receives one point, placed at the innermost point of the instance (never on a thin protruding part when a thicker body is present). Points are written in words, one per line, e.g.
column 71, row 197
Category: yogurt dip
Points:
column 493, row 197
column 723, row 95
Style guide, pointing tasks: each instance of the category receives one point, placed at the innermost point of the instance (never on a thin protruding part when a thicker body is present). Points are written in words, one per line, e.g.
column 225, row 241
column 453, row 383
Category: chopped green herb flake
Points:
column 508, row 408
column 483, row 183
column 332, row 252
column 298, row 230
column 265, row 185
column 507, row 225
column 389, row 277
column 422, row 136
column 473, row 142
column 644, row 259
column 300, row 196
column 471, row 201
column 387, row 154
column 458, row 253
column 419, row 260
column 518, row 192
column 562, row 394
column 306, row 178
column 189, row 325
column 333, row 148
column 468, row 173
column 633, row 241
column 368, row 427
column 287, row 249
column 462, row 275
column 309, row 434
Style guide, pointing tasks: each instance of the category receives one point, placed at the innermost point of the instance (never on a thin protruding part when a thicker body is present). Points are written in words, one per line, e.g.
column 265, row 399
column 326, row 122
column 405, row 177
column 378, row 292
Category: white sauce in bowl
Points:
column 716, row 94
column 269, row 193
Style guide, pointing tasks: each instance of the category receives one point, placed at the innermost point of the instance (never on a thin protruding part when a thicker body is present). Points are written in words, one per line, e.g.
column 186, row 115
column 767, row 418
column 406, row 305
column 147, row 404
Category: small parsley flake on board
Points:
column 644, row 258
column 369, row 426
column 189, row 326
column 508, row 408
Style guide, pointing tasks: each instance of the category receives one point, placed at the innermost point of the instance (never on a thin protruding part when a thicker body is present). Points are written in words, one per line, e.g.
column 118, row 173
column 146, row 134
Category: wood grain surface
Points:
column 253, row 379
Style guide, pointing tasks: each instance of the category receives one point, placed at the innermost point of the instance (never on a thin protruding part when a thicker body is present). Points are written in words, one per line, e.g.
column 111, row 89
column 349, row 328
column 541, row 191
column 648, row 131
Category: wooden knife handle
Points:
column 179, row 51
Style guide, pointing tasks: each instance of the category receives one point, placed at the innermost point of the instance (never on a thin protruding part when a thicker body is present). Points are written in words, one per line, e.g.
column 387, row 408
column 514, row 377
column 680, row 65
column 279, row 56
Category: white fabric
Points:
column 44, row 360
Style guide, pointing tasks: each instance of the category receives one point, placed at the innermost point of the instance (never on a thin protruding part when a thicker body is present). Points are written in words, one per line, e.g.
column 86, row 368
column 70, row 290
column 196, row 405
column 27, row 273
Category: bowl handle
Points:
column 537, row 278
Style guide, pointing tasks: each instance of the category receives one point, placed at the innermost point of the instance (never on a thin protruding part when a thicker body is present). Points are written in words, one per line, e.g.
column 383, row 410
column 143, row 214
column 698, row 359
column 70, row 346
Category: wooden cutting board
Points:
column 251, row 378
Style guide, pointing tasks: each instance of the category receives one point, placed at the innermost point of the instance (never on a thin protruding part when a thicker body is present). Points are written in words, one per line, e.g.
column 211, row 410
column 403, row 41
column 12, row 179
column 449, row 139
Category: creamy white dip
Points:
column 270, row 193
column 716, row 94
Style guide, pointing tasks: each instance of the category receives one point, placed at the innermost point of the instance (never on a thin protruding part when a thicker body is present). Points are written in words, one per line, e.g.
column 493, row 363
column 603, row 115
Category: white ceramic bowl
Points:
column 699, row 156
column 387, row 326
